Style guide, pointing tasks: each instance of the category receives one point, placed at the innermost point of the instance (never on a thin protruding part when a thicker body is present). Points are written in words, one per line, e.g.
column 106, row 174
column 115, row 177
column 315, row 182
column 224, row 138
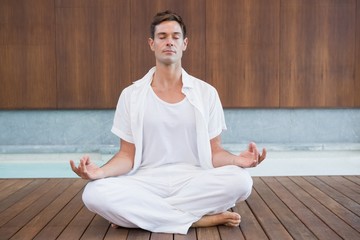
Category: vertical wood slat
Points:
column 193, row 14
column 317, row 53
column 93, row 57
column 357, row 57
column 242, row 47
column 27, row 54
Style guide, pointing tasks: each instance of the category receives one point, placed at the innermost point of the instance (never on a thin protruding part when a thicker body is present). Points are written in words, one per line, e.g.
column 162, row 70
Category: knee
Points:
column 241, row 183
column 91, row 195
column 246, row 185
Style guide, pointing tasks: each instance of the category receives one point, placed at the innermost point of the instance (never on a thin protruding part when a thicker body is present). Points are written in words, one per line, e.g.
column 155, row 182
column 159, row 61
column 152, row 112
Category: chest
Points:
column 172, row 96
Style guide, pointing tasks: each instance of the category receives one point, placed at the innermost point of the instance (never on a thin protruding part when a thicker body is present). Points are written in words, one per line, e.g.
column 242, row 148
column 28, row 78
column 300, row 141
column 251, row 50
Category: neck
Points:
column 167, row 76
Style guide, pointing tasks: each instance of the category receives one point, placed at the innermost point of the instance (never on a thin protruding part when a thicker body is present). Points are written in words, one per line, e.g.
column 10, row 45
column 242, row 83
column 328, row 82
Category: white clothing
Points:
column 167, row 199
column 169, row 133
column 209, row 114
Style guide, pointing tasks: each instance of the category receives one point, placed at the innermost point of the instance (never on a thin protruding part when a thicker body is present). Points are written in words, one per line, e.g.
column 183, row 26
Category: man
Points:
column 171, row 171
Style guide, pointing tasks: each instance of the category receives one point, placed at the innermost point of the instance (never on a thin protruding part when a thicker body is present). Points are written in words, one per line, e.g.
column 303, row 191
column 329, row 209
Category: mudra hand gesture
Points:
column 87, row 169
column 251, row 157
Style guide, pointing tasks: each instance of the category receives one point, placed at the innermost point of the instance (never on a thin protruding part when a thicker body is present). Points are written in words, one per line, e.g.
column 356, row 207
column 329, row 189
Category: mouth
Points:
column 169, row 51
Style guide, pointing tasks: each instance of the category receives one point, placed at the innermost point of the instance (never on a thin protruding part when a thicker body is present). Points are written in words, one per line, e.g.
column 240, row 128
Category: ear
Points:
column 186, row 40
column 151, row 43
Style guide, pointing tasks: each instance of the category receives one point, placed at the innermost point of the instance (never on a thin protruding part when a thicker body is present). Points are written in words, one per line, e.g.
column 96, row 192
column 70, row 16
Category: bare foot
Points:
column 114, row 225
column 231, row 219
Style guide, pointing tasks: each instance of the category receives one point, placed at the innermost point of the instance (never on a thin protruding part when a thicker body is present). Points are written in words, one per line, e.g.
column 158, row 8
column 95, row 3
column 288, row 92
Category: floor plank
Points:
column 335, row 207
column 191, row 235
column 230, row 233
column 161, row 236
column 116, row 234
column 138, row 234
column 336, row 195
column 355, row 179
column 97, row 229
column 323, row 207
column 209, row 233
column 341, row 187
column 250, row 227
column 342, row 180
column 8, row 189
column 5, row 184
column 264, row 215
column 46, row 217
column 331, row 219
column 59, row 222
column 77, row 225
column 19, row 195
column 315, row 224
column 289, row 220
column 24, row 215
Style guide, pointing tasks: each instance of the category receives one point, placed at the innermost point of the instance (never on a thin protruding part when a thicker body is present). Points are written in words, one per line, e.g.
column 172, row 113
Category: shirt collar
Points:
column 188, row 81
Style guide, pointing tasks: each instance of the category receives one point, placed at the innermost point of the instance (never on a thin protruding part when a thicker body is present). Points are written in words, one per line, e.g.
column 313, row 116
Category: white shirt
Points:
column 169, row 133
column 209, row 116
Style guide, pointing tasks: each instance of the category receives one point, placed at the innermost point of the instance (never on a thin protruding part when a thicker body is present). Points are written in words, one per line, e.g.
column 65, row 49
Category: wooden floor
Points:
column 278, row 208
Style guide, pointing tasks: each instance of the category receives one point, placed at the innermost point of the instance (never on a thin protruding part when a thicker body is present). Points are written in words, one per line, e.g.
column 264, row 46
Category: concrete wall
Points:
column 89, row 130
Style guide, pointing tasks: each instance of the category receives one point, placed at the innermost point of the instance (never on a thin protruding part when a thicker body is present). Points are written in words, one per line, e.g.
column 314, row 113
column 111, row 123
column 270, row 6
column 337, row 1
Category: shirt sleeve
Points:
column 216, row 116
column 122, row 122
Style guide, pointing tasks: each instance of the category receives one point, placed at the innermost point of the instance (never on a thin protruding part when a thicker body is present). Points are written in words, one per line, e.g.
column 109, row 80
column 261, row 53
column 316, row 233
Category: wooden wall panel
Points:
column 356, row 94
column 93, row 55
column 193, row 14
column 317, row 53
column 80, row 54
column 27, row 54
column 242, row 51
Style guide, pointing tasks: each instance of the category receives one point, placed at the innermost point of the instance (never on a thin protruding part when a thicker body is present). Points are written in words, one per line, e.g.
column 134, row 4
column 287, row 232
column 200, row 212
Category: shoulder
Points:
column 199, row 84
column 139, row 84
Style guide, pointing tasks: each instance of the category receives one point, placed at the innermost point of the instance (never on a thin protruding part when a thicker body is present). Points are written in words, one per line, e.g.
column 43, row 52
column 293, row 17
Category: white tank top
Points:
column 169, row 133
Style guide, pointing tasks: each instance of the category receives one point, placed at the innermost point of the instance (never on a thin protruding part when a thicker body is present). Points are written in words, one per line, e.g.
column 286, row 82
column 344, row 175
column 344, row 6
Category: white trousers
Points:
column 167, row 199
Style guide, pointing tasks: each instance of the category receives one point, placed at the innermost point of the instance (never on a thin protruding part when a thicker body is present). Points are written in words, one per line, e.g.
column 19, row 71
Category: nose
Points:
column 169, row 42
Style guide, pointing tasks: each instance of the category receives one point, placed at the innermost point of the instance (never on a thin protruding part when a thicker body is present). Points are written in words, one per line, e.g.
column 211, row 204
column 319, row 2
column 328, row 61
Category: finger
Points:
column 263, row 155
column 256, row 154
column 83, row 165
column 252, row 145
column 87, row 160
column 73, row 167
column 83, row 158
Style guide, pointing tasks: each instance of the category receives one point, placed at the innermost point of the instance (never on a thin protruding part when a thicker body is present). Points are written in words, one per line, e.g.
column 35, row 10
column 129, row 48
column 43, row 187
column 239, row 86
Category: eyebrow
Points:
column 164, row 33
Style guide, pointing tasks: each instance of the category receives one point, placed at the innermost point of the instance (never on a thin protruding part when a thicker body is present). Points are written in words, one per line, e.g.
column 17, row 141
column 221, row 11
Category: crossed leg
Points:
column 230, row 219
column 185, row 207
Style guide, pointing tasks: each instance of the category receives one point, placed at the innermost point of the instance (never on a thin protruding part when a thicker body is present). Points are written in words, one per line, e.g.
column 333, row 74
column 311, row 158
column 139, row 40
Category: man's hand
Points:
column 87, row 169
column 251, row 157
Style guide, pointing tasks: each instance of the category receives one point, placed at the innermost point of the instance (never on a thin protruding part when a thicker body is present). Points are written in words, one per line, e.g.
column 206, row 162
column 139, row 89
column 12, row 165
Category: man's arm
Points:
column 121, row 163
column 246, row 159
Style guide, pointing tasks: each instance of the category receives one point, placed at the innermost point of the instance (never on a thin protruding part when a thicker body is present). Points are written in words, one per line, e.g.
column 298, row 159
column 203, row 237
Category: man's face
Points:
column 168, row 43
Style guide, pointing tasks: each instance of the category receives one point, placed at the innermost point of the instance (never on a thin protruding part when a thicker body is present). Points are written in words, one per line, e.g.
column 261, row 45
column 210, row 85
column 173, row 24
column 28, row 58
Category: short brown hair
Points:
column 166, row 16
